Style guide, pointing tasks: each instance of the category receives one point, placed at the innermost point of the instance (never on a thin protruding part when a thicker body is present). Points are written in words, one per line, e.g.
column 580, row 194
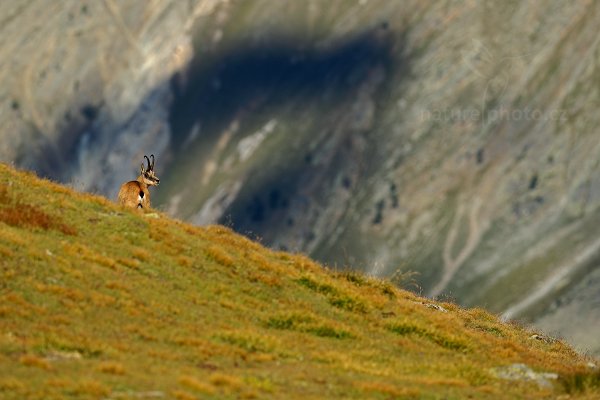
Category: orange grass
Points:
column 119, row 305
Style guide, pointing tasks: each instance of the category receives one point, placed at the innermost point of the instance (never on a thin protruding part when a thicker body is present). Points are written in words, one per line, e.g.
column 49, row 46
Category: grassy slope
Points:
column 100, row 302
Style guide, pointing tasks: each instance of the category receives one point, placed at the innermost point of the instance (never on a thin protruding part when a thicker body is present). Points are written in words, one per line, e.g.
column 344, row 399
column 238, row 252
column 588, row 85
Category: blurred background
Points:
column 451, row 145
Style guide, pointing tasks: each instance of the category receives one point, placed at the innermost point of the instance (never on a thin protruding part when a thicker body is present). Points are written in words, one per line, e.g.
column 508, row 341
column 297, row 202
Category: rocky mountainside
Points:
column 457, row 140
column 86, row 86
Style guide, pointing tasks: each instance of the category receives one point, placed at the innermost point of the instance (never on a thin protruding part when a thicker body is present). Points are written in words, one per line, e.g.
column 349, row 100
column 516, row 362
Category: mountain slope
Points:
column 101, row 302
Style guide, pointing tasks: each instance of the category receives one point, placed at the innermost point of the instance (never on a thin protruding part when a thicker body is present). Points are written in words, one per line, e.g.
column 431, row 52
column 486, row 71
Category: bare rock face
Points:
column 459, row 141
column 86, row 86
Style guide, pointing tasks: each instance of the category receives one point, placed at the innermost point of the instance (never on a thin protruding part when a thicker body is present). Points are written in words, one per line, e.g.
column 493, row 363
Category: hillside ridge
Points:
column 102, row 302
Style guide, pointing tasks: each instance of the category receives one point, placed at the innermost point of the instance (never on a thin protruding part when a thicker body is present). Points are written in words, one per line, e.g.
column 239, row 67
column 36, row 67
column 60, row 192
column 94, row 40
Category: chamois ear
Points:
column 142, row 169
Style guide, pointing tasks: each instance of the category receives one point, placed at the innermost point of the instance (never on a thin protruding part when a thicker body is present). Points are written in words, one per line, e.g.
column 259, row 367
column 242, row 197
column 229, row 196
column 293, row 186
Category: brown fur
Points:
column 129, row 194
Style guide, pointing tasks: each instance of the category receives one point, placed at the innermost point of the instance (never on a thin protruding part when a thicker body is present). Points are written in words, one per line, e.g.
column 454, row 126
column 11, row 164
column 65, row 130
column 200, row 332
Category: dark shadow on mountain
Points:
column 220, row 85
column 252, row 78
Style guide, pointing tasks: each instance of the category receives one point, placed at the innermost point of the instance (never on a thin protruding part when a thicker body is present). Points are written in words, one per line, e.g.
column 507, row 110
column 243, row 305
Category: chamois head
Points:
column 147, row 174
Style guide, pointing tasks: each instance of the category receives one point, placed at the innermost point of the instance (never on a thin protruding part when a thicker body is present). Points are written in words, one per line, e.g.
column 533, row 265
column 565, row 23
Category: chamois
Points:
column 135, row 194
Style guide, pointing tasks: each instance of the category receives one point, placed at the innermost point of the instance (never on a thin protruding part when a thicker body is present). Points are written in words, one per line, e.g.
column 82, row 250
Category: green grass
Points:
column 101, row 302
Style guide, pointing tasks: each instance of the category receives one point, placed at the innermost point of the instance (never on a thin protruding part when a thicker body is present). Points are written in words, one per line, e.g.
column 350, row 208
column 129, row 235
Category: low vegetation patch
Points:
column 446, row 340
column 16, row 213
column 248, row 341
column 335, row 296
column 582, row 382
column 307, row 324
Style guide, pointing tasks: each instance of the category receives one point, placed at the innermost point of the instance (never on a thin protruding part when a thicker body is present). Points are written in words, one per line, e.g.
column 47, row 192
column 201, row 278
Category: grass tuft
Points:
column 111, row 367
column 445, row 340
column 192, row 383
column 219, row 256
column 329, row 332
column 248, row 341
column 225, row 380
column 307, row 324
column 16, row 213
column 315, row 286
column 388, row 390
column 335, row 297
column 31, row 360
column 348, row 303
column 581, row 382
